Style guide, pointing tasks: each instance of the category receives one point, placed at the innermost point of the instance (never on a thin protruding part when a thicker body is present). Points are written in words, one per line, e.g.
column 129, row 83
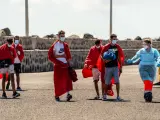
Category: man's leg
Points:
column 96, row 75
column 117, row 89
column 3, row 82
column 116, row 78
column 96, row 87
column 108, row 77
column 18, row 80
column 12, row 82
column 8, row 82
column 17, row 71
column 11, row 71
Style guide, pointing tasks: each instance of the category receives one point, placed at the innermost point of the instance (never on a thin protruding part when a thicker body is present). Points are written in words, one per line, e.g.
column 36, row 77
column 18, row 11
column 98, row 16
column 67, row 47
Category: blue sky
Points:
column 130, row 17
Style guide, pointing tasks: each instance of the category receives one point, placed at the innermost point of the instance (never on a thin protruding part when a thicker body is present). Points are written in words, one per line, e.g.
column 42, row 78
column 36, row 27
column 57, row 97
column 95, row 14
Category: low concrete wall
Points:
column 37, row 60
column 36, row 52
column 44, row 44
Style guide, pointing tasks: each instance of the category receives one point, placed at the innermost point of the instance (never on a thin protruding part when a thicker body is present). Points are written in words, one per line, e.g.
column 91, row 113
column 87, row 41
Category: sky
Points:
column 131, row 18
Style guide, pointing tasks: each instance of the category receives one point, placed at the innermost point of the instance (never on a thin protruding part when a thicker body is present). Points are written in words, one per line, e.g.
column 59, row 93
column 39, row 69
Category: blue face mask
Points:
column 114, row 42
column 16, row 42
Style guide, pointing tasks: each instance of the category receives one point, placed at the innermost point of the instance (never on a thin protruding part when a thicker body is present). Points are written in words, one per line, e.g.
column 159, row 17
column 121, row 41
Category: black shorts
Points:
column 17, row 68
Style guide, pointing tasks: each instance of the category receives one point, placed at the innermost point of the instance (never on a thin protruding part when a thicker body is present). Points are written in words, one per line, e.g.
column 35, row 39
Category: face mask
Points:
column 62, row 38
column 98, row 46
column 114, row 42
column 145, row 47
column 16, row 41
column 9, row 45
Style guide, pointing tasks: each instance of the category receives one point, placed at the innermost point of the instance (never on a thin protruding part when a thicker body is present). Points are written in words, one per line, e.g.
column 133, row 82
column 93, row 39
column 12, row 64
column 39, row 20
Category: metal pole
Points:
column 26, row 18
column 110, row 17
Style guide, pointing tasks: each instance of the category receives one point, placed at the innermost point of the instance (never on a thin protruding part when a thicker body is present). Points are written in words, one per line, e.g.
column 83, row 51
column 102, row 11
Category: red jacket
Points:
column 93, row 56
column 93, row 59
column 7, row 52
column 20, row 49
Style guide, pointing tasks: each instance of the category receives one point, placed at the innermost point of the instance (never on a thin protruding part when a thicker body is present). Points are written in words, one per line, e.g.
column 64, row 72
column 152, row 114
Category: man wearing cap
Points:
column 7, row 56
column 59, row 55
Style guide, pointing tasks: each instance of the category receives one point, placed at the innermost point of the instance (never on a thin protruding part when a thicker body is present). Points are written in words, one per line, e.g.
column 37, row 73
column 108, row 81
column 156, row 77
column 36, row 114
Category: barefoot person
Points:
column 7, row 56
column 59, row 55
column 147, row 67
column 17, row 62
column 91, row 64
column 112, row 68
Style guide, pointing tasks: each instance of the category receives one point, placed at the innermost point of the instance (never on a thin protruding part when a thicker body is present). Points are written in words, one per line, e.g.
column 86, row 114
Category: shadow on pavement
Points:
column 9, row 98
column 111, row 100
column 16, row 90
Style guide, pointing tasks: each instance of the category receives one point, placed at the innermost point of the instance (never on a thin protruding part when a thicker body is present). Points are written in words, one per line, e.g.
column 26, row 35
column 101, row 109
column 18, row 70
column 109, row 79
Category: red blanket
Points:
column 62, row 80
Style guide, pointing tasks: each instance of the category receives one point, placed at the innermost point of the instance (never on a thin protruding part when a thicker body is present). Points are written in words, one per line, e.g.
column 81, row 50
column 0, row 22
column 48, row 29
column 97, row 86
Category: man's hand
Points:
column 85, row 66
column 90, row 67
column 18, row 52
column 106, row 61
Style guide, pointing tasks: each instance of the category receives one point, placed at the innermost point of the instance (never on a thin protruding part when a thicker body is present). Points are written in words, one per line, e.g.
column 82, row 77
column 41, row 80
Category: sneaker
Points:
column 96, row 98
column 57, row 99
column 148, row 96
column 7, row 86
column 4, row 96
column 19, row 89
column 119, row 99
column 69, row 97
column 16, row 94
column 104, row 98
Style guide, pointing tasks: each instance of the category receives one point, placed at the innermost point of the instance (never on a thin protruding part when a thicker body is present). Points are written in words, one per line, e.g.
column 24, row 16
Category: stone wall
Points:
column 44, row 44
column 36, row 52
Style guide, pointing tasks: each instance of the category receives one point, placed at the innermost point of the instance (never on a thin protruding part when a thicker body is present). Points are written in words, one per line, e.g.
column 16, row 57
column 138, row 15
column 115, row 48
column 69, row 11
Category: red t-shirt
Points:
column 7, row 53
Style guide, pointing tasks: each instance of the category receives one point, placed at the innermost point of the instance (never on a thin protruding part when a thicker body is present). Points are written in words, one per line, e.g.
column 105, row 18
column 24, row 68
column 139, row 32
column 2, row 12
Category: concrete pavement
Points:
column 37, row 100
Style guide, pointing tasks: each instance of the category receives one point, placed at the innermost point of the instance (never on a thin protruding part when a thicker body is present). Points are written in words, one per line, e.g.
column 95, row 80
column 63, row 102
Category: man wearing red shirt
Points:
column 17, row 62
column 7, row 56
column 91, row 63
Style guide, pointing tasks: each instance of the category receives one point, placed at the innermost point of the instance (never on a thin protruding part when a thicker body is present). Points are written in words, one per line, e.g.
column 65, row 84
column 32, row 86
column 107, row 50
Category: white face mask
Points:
column 114, row 42
column 62, row 39
column 9, row 45
column 16, row 41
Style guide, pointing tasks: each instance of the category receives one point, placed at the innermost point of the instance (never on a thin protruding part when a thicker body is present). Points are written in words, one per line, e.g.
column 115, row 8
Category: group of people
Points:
column 103, row 63
column 11, row 56
column 99, row 67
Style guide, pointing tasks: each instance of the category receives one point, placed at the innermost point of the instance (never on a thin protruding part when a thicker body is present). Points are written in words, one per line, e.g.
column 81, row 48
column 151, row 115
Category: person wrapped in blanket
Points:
column 113, row 59
column 147, row 66
column 59, row 55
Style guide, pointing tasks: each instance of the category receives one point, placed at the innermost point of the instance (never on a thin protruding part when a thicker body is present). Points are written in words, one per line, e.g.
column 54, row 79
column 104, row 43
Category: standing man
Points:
column 17, row 62
column 113, row 68
column 7, row 56
column 59, row 55
column 91, row 64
